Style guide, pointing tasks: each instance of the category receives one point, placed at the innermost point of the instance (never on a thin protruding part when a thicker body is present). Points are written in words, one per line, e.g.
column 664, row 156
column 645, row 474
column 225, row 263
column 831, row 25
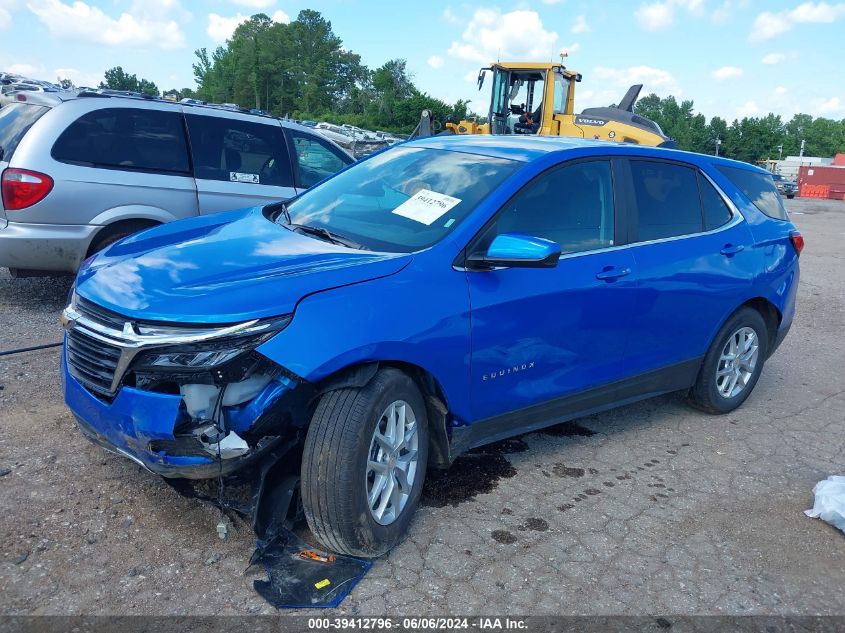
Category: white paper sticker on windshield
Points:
column 426, row 206
column 237, row 176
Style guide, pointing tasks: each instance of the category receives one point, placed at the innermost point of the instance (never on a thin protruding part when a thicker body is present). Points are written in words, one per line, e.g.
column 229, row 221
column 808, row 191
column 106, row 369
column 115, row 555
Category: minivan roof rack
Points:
column 231, row 107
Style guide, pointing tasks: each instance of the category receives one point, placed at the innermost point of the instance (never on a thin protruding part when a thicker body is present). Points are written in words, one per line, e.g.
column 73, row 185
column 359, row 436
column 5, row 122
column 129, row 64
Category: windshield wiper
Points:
column 327, row 235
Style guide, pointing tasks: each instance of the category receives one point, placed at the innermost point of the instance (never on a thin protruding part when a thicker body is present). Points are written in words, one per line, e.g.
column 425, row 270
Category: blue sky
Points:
column 732, row 57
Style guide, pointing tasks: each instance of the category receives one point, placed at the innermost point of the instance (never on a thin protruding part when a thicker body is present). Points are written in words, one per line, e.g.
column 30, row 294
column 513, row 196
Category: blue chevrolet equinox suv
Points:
column 443, row 294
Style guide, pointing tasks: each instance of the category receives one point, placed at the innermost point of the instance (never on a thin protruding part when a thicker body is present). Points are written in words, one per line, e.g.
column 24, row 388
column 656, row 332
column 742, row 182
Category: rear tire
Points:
column 733, row 363
column 111, row 234
column 343, row 463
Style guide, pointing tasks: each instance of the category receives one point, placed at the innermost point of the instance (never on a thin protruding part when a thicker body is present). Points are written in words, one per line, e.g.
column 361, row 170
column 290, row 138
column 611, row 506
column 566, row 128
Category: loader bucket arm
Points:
column 630, row 98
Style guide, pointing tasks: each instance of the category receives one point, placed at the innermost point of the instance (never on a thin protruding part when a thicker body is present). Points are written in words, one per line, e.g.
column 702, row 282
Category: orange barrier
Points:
column 814, row 191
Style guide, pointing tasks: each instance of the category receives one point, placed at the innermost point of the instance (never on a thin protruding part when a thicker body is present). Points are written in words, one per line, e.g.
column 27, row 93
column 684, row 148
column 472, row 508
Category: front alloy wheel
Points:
column 364, row 463
column 392, row 464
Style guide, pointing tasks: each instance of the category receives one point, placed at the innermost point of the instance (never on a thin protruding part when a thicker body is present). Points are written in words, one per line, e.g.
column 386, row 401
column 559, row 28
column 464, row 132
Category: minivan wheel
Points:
column 364, row 463
column 733, row 363
column 111, row 234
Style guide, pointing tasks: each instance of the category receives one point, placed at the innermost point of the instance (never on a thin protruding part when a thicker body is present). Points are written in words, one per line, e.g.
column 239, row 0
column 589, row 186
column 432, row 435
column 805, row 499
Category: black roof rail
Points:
column 107, row 93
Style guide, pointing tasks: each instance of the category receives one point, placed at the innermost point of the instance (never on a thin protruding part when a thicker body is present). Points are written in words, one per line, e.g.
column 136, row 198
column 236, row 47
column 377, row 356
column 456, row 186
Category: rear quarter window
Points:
column 758, row 188
column 126, row 138
column 15, row 121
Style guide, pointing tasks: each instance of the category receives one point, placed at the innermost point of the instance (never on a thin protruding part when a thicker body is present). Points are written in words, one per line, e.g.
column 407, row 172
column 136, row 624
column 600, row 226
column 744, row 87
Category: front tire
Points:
column 733, row 363
column 364, row 463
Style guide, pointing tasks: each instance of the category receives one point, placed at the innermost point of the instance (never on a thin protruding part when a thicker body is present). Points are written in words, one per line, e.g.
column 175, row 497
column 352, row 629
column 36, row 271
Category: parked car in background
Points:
column 22, row 90
column 81, row 172
column 441, row 295
column 786, row 187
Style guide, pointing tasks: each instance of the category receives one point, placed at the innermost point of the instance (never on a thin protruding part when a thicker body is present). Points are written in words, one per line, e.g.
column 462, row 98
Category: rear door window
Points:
column 15, row 121
column 316, row 159
column 667, row 200
column 758, row 188
column 234, row 150
column 716, row 210
column 126, row 138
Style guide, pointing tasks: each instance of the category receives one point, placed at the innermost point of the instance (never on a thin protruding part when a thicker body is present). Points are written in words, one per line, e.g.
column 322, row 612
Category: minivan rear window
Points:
column 126, row 138
column 759, row 188
column 15, row 121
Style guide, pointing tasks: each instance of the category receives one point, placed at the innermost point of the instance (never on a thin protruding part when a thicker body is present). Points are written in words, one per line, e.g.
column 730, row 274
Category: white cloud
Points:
column 220, row 28
column 572, row 48
column 450, row 17
column 255, row 4
column 653, row 79
column 831, row 106
column 87, row 23
column 580, row 25
column 552, row 1
column 27, row 70
column 6, row 8
column 281, row 17
column 158, row 10
column 773, row 58
column 727, row 72
column 653, row 17
column 79, row 77
column 435, row 61
column 748, row 109
column 492, row 35
column 769, row 24
column 781, row 90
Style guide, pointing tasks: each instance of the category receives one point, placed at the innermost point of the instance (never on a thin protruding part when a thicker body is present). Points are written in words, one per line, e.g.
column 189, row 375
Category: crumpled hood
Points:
column 223, row 268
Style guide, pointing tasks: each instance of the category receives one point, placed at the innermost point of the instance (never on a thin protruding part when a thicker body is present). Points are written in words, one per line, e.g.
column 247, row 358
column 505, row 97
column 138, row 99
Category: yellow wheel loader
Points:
column 539, row 98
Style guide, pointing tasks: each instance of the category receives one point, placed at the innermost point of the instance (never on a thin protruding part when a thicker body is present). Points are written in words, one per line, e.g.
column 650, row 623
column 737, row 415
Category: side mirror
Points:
column 513, row 250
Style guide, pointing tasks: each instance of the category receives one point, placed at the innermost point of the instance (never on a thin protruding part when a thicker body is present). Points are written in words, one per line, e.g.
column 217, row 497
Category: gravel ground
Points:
column 650, row 508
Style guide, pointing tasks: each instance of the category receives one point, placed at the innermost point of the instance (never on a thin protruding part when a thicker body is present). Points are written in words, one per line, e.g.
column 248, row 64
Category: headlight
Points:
column 205, row 355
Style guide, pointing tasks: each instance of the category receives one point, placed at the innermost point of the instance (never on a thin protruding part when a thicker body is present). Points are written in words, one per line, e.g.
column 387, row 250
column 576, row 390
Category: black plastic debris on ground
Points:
column 295, row 581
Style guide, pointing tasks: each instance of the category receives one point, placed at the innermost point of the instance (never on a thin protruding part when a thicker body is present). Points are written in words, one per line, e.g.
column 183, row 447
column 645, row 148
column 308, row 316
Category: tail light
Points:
column 20, row 96
column 797, row 241
column 22, row 188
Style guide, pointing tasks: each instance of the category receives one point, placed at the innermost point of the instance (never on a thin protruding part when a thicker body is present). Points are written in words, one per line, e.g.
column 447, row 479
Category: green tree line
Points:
column 749, row 139
column 302, row 70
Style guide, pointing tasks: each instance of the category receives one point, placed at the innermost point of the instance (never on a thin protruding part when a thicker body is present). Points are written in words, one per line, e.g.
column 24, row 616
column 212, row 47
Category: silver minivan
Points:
column 86, row 170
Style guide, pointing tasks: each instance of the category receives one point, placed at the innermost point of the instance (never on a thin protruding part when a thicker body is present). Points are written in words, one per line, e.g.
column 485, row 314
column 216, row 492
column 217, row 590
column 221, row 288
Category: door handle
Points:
column 610, row 273
column 731, row 249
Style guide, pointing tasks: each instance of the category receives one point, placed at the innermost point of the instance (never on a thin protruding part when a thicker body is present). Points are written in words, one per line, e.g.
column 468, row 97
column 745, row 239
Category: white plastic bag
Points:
column 830, row 501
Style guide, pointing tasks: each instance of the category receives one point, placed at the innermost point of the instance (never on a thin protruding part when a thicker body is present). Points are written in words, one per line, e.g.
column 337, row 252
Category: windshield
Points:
column 402, row 200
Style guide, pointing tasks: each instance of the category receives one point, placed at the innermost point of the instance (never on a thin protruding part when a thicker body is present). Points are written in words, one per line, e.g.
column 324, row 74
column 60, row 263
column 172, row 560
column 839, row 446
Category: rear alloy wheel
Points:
column 737, row 362
column 733, row 363
column 364, row 463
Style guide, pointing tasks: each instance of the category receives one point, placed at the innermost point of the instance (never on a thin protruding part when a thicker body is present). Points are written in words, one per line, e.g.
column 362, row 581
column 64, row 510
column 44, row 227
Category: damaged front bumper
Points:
column 141, row 425
column 181, row 401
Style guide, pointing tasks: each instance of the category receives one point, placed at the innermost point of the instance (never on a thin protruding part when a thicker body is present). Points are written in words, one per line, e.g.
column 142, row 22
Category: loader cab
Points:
column 525, row 98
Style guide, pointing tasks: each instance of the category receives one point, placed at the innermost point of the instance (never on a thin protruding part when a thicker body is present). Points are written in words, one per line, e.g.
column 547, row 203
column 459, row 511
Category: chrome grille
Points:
column 100, row 315
column 92, row 362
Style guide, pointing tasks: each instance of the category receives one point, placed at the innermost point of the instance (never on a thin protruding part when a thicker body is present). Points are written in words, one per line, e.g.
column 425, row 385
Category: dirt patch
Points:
column 561, row 470
column 471, row 474
column 503, row 536
column 534, row 524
